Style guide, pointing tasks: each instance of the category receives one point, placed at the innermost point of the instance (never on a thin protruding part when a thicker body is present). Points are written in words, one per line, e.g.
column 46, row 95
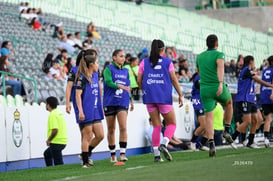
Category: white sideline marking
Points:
column 69, row 178
column 133, row 168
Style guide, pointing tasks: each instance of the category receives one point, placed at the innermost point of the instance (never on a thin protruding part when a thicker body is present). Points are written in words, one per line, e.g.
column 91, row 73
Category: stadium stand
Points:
column 123, row 25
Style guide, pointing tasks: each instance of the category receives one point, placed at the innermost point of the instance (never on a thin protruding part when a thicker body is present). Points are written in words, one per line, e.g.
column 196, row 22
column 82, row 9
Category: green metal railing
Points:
column 21, row 77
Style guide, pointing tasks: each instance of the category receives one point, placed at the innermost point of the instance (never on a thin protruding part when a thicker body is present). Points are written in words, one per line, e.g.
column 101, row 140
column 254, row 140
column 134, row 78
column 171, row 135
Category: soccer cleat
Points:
column 162, row 148
column 228, row 137
column 192, row 146
column 123, row 158
column 253, row 145
column 158, row 159
column 212, row 150
column 113, row 159
column 87, row 165
column 233, row 145
column 204, row 148
column 244, row 143
column 89, row 161
column 266, row 143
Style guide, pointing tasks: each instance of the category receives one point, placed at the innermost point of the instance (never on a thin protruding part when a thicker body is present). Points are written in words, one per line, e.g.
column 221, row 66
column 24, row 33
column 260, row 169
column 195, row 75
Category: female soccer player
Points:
column 266, row 99
column 200, row 114
column 71, row 89
column 88, row 98
column 116, row 103
column 245, row 99
column 155, row 77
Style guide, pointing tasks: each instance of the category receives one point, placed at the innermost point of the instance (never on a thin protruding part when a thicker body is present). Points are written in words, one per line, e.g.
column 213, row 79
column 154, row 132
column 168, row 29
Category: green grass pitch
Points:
column 228, row 165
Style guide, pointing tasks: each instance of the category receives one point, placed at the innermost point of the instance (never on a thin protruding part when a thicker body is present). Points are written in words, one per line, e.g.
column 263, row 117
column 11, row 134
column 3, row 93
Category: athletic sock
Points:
column 194, row 137
column 90, row 148
column 165, row 141
column 122, row 146
column 169, row 132
column 112, row 149
column 85, row 157
column 156, row 135
column 227, row 126
column 250, row 139
column 266, row 134
column 156, row 151
column 243, row 136
column 211, row 143
column 204, row 141
column 235, row 135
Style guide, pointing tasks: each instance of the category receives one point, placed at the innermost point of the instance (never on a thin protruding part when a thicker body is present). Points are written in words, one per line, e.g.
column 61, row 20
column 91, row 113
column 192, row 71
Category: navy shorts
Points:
column 113, row 110
column 199, row 112
column 89, row 123
column 267, row 109
column 247, row 107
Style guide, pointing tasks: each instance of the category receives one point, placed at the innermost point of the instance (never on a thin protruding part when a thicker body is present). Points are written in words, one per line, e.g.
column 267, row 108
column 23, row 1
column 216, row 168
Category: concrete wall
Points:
column 257, row 18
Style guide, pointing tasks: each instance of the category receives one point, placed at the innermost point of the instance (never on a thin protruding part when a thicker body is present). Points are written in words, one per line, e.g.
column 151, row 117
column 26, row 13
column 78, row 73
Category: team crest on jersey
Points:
column 78, row 83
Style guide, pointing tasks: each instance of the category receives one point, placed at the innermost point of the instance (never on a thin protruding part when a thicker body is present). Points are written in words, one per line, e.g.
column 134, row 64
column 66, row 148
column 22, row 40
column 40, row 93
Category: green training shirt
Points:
column 207, row 65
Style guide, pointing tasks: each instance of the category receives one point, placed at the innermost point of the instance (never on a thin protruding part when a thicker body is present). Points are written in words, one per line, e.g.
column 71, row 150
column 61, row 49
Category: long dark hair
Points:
column 247, row 60
column 4, row 44
column 88, row 56
column 193, row 76
column 156, row 46
column 270, row 61
column 2, row 63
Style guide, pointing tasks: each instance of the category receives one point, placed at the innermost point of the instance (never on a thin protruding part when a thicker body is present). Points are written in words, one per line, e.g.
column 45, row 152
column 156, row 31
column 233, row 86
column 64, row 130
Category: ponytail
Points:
column 156, row 46
column 86, row 57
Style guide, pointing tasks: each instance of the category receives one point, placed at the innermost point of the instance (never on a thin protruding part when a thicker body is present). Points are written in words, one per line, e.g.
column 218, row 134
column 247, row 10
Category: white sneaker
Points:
column 245, row 143
column 253, row 145
column 192, row 146
column 90, row 162
column 266, row 143
column 204, row 148
column 233, row 145
column 113, row 159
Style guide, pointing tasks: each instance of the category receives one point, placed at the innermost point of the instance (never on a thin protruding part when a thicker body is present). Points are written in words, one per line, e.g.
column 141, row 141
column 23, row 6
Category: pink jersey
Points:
column 141, row 67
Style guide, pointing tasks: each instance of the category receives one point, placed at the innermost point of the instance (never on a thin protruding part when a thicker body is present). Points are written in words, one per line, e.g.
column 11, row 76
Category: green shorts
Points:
column 209, row 97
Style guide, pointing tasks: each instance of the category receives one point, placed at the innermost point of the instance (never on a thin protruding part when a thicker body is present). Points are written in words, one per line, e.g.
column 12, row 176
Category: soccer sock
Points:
column 156, row 151
column 204, row 140
column 156, row 136
column 211, row 143
column 122, row 146
column 266, row 134
column 235, row 135
column 227, row 126
column 85, row 157
column 243, row 136
column 90, row 148
column 165, row 141
column 194, row 137
column 112, row 149
column 169, row 132
column 250, row 138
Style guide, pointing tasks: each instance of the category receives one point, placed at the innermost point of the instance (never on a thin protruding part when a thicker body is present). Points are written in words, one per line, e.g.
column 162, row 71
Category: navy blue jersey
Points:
column 91, row 99
column 246, row 89
column 71, row 78
column 156, row 83
column 117, row 97
column 265, row 92
column 195, row 93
